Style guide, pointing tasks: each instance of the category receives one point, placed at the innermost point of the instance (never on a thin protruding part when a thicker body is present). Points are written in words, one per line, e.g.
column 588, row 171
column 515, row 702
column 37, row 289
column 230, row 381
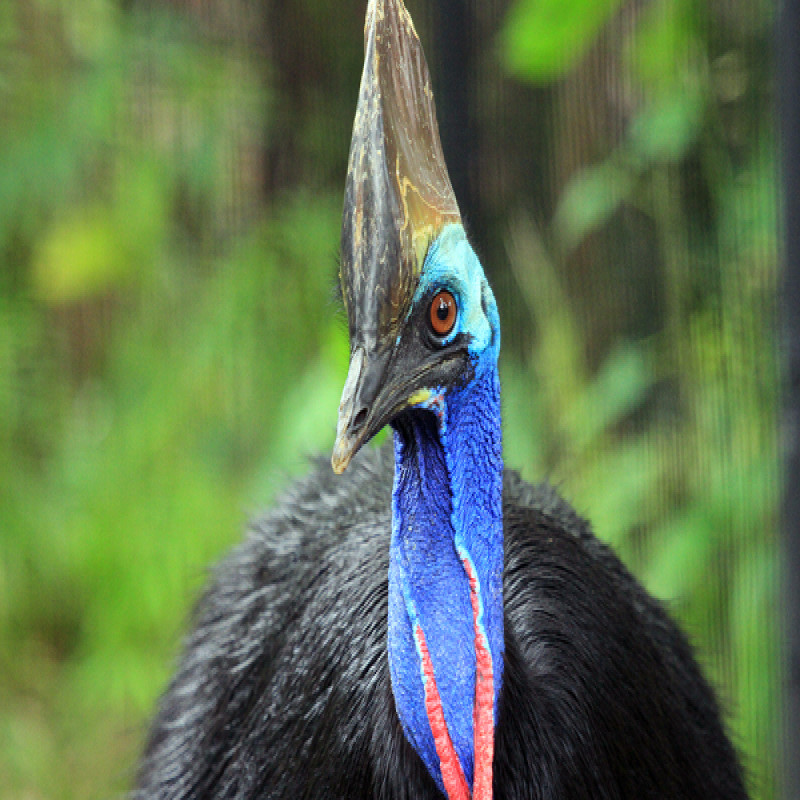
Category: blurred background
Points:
column 171, row 179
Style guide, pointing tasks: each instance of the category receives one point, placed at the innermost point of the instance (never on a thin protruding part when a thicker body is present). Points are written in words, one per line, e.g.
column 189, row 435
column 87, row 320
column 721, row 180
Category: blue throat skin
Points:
column 446, row 518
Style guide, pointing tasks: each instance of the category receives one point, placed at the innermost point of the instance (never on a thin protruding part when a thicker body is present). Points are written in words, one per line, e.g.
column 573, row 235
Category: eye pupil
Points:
column 443, row 313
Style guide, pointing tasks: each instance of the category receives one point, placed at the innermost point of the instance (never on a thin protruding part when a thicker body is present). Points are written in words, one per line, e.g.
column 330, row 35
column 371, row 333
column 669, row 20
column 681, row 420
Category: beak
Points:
column 358, row 407
column 382, row 382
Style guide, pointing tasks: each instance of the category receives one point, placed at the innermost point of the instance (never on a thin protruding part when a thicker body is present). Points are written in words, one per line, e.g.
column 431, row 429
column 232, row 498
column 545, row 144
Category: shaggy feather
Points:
column 283, row 690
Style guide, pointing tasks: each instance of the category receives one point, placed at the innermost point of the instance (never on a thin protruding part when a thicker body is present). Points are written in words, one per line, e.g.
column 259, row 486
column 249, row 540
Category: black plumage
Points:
column 283, row 690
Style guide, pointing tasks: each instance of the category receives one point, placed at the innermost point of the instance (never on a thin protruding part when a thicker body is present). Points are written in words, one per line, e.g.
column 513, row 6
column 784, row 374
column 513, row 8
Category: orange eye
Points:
column 443, row 313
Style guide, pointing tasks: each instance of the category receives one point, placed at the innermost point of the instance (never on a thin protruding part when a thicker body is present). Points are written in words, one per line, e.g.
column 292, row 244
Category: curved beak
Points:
column 373, row 393
column 360, row 391
column 381, row 383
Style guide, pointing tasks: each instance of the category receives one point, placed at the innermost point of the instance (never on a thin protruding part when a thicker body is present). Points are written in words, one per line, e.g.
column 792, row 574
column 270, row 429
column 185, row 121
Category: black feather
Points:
column 283, row 690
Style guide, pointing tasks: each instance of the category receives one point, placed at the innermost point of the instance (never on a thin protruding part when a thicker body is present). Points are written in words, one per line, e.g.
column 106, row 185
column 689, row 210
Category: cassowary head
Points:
column 421, row 315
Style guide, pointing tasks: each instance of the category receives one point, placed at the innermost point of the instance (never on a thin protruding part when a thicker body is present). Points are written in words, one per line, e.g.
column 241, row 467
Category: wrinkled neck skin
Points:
column 445, row 637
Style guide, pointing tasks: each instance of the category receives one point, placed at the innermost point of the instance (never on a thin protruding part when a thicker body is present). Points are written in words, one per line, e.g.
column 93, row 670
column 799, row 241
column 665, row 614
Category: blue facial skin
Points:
column 451, row 264
column 447, row 507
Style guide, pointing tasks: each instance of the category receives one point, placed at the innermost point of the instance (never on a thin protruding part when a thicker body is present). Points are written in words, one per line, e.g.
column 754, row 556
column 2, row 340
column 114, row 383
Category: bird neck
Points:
column 445, row 636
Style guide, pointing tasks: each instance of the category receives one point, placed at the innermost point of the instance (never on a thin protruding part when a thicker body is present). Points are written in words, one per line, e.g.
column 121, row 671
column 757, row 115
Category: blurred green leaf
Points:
column 682, row 548
column 589, row 199
column 542, row 39
column 617, row 390
column 97, row 248
column 79, row 257
column 666, row 129
column 664, row 53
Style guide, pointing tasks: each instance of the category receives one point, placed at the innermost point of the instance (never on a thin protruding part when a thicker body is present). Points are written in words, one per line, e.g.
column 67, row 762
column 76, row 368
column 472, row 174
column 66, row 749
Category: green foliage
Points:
column 145, row 354
column 544, row 38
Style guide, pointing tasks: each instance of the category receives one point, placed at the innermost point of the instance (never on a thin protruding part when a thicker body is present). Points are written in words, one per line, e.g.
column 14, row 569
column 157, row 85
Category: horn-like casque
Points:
column 398, row 194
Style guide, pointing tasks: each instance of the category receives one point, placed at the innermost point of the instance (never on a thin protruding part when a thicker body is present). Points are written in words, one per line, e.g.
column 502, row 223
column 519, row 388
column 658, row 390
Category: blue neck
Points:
column 447, row 520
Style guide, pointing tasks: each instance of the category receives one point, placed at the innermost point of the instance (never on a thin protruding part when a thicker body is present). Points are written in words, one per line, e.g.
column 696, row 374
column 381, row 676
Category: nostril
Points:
column 359, row 420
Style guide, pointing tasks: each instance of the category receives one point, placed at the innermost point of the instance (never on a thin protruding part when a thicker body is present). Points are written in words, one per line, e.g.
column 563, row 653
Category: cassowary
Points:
column 427, row 624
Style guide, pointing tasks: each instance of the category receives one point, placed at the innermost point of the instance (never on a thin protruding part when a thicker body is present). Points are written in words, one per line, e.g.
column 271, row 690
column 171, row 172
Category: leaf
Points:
column 543, row 39
column 617, row 390
column 78, row 257
column 681, row 554
column 668, row 128
column 589, row 199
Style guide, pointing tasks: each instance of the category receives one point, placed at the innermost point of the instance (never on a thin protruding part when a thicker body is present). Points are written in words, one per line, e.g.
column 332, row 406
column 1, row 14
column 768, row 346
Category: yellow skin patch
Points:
column 420, row 396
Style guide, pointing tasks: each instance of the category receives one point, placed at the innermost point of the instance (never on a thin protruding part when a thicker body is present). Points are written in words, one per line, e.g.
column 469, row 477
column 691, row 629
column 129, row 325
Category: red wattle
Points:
column 483, row 712
column 452, row 774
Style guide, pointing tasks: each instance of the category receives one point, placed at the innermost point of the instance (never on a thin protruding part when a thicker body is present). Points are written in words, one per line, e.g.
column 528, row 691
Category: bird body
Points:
column 427, row 625
column 284, row 689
